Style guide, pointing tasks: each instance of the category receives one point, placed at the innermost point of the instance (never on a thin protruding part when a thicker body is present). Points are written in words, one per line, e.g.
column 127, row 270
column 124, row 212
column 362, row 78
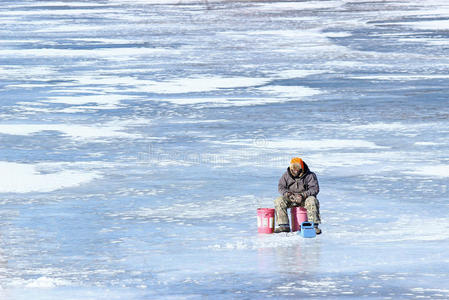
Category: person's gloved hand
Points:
column 292, row 197
column 297, row 198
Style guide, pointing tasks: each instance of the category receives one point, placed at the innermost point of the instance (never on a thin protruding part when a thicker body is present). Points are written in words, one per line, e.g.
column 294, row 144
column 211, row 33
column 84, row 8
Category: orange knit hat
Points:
column 297, row 160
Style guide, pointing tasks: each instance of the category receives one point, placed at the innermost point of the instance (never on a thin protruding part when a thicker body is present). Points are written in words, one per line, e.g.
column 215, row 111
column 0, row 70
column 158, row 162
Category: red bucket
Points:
column 265, row 220
column 298, row 215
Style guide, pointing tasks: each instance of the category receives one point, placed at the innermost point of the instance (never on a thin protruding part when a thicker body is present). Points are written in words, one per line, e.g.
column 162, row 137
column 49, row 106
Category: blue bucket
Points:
column 307, row 230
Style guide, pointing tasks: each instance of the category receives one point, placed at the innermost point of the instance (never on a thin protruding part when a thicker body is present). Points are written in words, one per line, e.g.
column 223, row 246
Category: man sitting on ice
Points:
column 298, row 187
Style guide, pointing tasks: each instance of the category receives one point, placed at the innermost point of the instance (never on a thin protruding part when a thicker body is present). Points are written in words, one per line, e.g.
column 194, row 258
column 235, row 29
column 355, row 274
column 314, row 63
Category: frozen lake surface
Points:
column 139, row 137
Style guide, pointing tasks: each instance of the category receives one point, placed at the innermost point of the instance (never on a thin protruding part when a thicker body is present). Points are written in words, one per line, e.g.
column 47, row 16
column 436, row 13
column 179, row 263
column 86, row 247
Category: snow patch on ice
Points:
column 188, row 101
column 123, row 54
column 165, row 2
column 19, row 72
column 25, row 178
column 283, row 96
column 319, row 154
column 429, row 41
column 441, row 171
column 74, row 131
column 337, row 34
column 104, row 101
column 201, row 84
column 183, row 85
column 58, row 12
column 206, row 84
column 313, row 34
column 223, row 102
column 298, row 92
column 428, row 144
column 402, row 77
column 423, row 290
column 290, row 6
column 54, row 4
column 345, row 162
column 307, row 145
column 296, row 73
column 46, row 282
column 307, row 41
column 324, row 144
column 428, row 25
column 394, row 127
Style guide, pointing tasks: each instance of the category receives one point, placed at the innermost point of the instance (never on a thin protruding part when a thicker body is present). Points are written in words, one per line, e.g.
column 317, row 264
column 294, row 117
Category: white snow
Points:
column 300, row 5
column 296, row 73
column 74, row 131
column 25, row 178
column 439, row 171
column 125, row 53
column 428, row 144
column 200, row 84
column 54, row 4
column 103, row 101
column 58, row 12
column 31, row 71
column 297, row 92
column 438, row 25
column 400, row 77
column 307, row 144
column 47, row 282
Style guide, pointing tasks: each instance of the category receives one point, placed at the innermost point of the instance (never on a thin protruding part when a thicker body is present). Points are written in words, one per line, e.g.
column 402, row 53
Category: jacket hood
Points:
column 306, row 170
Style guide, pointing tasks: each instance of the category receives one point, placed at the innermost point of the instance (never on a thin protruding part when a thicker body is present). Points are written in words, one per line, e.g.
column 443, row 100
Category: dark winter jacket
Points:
column 305, row 183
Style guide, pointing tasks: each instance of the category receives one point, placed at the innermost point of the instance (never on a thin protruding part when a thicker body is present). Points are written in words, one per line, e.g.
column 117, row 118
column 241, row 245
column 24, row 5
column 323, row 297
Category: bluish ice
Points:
column 139, row 137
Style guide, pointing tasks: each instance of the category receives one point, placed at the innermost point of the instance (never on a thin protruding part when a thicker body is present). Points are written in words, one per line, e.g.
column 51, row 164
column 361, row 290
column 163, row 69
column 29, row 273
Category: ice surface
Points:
column 108, row 101
column 139, row 137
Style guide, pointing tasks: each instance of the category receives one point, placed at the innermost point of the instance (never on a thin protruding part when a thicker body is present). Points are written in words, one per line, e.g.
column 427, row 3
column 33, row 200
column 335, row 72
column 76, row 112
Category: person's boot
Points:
column 317, row 230
column 282, row 228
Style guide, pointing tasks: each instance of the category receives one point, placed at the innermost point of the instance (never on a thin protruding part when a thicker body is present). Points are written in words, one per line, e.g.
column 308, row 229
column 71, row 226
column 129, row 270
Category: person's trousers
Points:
column 311, row 204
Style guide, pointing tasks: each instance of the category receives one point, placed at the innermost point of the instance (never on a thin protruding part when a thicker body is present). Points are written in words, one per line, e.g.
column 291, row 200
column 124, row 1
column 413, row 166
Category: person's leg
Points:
column 280, row 205
column 313, row 211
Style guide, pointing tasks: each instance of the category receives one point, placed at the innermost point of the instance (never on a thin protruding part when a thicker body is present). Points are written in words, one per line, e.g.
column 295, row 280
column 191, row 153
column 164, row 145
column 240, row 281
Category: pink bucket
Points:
column 298, row 215
column 265, row 220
